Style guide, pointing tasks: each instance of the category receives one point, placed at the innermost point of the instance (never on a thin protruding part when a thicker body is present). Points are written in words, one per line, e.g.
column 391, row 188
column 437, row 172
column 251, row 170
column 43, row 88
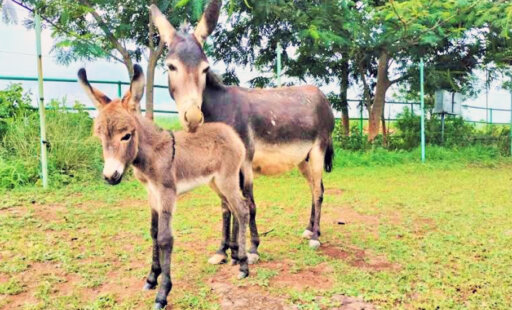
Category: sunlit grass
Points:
column 415, row 236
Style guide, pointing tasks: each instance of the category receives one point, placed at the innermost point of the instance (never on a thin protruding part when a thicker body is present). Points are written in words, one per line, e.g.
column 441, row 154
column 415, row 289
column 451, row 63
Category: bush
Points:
column 73, row 154
column 457, row 132
column 355, row 141
column 13, row 103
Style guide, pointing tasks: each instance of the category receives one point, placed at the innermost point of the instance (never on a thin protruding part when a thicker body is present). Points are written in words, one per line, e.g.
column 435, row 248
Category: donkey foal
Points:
column 169, row 165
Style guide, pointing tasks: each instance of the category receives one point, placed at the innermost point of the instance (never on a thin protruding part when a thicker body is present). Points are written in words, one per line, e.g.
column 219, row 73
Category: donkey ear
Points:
column 131, row 100
column 208, row 21
column 98, row 98
column 165, row 29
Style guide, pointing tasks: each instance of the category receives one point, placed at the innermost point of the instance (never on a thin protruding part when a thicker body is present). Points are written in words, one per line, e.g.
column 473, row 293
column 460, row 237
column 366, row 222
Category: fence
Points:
column 356, row 109
column 118, row 84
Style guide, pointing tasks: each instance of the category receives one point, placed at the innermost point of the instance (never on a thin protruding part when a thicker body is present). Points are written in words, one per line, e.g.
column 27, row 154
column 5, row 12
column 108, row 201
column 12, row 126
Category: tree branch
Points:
column 118, row 45
column 62, row 29
column 400, row 79
column 397, row 15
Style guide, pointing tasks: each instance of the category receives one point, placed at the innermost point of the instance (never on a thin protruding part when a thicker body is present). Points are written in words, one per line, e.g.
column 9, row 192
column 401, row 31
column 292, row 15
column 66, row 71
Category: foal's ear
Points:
column 165, row 29
column 131, row 99
column 208, row 21
column 98, row 98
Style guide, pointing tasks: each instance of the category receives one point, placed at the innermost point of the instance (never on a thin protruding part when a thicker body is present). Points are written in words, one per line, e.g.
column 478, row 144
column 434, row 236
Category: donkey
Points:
column 168, row 165
column 281, row 128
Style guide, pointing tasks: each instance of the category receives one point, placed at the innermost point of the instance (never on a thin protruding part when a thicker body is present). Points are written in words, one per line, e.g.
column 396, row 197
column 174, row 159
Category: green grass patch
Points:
column 433, row 235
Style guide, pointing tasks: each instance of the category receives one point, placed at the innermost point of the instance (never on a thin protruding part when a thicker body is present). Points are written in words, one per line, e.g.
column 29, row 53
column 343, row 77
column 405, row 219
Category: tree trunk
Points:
column 150, row 79
column 154, row 54
column 344, row 83
column 383, row 84
column 384, row 132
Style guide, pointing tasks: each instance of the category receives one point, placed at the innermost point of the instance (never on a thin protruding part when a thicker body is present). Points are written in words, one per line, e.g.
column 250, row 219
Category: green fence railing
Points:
column 360, row 117
column 62, row 80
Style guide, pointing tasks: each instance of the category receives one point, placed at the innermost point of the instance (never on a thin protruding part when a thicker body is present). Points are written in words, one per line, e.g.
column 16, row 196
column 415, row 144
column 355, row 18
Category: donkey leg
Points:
column 230, row 188
column 242, row 216
column 233, row 242
column 240, row 219
column 165, row 242
column 252, row 255
column 316, row 162
column 220, row 257
column 305, row 170
column 151, row 281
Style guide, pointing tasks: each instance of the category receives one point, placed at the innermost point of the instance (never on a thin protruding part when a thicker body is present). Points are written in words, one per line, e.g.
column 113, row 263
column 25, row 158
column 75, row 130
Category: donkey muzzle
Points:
column 193, row 118
column 113, row 171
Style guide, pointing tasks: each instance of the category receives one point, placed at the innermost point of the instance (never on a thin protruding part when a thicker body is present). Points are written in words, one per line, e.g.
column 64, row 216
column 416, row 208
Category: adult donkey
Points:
column 168, row 164
column 281, row 128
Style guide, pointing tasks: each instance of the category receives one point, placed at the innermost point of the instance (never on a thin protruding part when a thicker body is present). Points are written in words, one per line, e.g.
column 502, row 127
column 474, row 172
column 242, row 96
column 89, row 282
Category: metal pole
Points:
column 487, row 96
column 422, row 112
column 119, row 89
column 490, row 116
column 42, row 117
column 279, row 50
column 361, row 119
column 510, row 130
column 442, row 128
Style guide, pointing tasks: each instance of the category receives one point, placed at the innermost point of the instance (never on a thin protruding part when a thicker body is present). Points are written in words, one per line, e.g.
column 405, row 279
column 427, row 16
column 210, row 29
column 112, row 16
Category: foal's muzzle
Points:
column 114, row 179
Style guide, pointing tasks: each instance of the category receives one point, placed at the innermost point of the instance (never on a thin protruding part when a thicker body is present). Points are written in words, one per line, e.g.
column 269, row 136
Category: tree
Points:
column 378, row 42
column 113, row 30
column 322, row 55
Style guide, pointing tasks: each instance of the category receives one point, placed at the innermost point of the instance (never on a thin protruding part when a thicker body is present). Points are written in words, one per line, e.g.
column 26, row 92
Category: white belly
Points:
column 279, row 158
column 184, row 186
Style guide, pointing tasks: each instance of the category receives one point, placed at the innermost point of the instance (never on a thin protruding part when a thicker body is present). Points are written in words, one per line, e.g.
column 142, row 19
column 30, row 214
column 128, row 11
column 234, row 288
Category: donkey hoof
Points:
column 307, row 234
column 243, row 275
column 148, row 286
column 158, row 306
column 314, row 244
column 252, row 258
column 217, row 259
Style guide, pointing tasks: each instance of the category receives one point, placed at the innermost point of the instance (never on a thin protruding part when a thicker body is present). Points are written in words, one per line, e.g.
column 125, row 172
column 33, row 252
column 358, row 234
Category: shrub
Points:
column 73, row 153
column 457, row 132
column 13, row 103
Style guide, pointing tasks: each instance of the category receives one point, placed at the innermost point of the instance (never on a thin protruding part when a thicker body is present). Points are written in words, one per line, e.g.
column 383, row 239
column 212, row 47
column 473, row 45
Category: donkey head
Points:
column 116, row 124
column 187, row 62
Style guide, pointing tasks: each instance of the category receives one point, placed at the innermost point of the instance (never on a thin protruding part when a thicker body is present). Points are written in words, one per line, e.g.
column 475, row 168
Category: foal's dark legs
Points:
column 233, row 242
column 221, row 255
column 165, row 242
column 247, row 191
column 152, row 280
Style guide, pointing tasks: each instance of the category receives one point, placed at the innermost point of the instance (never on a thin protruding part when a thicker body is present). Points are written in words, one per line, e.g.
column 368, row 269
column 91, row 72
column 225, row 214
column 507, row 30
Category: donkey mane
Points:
column 214, row 80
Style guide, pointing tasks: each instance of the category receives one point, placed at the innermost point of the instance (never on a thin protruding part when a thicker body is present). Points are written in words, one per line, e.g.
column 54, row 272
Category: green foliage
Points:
column 11, row 287
column 13, row 103
column 73, row 154
column 378, row 156
column 353, row 142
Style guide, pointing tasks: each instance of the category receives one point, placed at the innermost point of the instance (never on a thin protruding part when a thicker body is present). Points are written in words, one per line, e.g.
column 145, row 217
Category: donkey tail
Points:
column 329, row 156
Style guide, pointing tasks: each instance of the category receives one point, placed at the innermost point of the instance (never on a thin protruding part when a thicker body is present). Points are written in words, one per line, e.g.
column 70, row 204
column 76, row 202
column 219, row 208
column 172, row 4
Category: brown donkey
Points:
column 168, row 165
column 281, row 128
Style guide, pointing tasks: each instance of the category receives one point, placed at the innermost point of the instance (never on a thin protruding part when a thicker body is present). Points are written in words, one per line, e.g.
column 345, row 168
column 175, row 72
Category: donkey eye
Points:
column 126, row 137
column 172, row 68
column 206, row 70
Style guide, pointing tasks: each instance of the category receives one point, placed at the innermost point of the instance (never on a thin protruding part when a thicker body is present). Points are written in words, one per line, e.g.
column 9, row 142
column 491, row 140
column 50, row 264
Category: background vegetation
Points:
column 75, row 155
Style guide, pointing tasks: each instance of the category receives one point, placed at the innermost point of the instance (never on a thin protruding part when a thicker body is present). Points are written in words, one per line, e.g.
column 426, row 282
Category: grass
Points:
column 415, row 237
